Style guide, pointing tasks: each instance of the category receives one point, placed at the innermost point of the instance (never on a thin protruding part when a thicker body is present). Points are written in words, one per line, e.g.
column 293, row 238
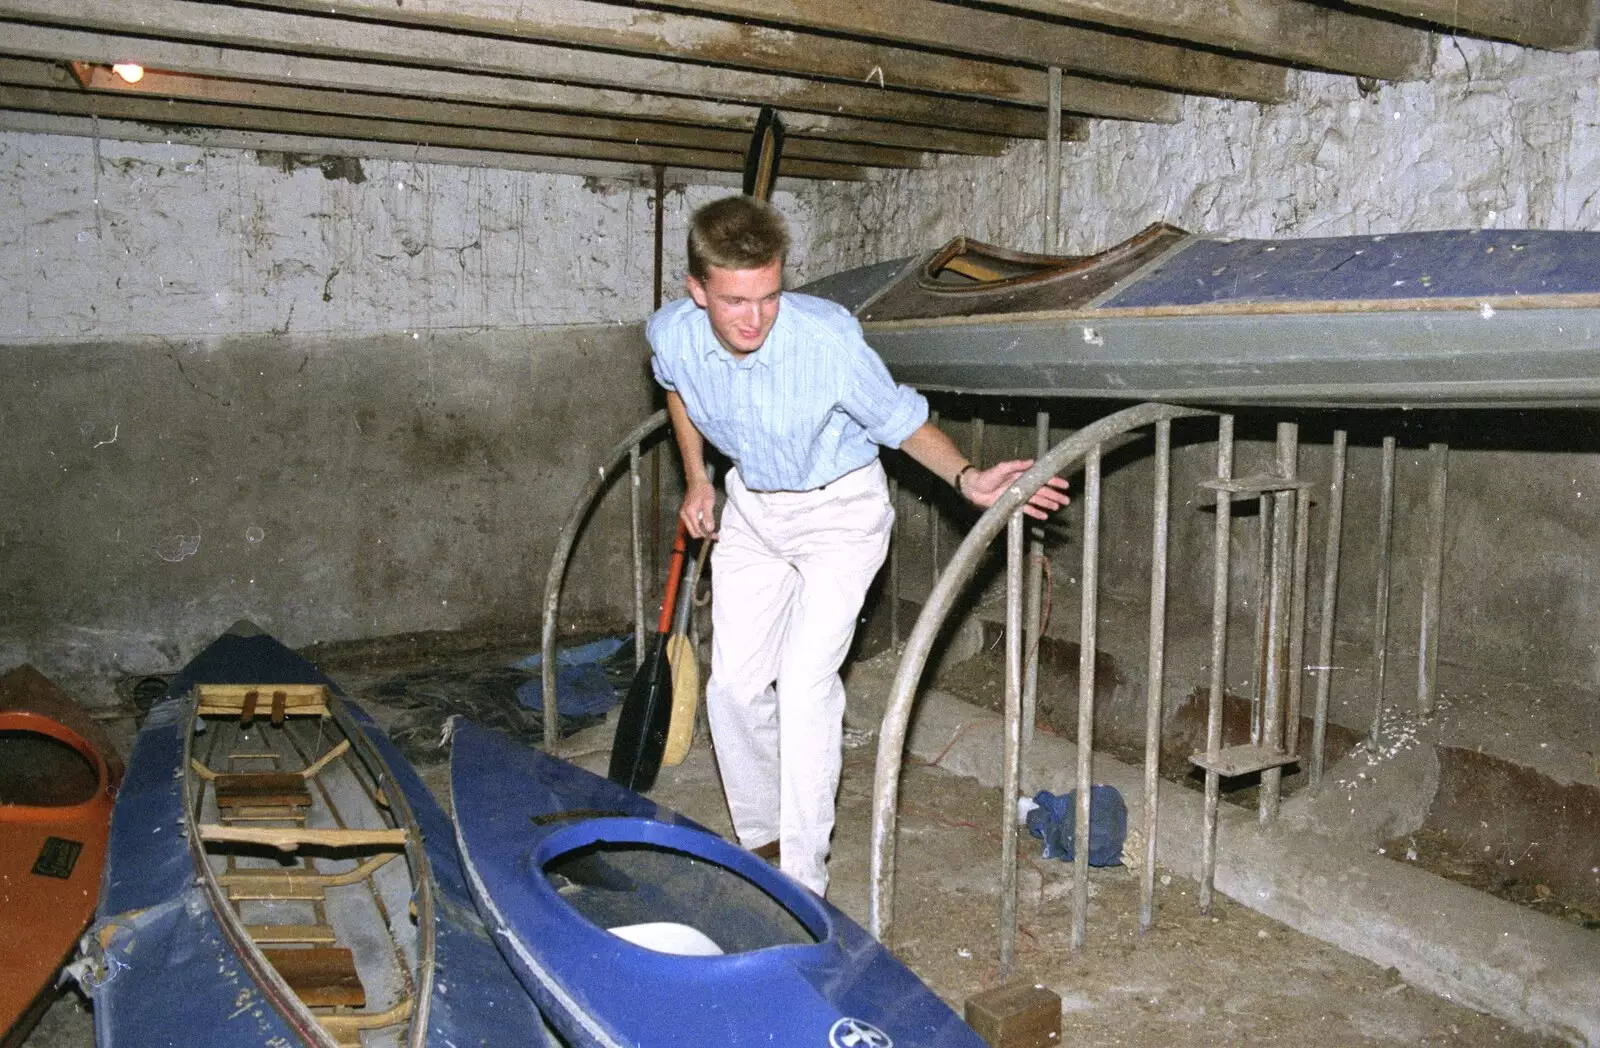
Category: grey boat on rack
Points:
column 1436, row 319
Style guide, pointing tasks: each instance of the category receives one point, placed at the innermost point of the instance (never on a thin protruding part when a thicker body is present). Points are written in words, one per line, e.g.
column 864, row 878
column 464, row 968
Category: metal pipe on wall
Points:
column 894, row 564
column 933, row 525
column 1052, row 167
column 1330, row 597
column 636, row 544
column 1432, row 580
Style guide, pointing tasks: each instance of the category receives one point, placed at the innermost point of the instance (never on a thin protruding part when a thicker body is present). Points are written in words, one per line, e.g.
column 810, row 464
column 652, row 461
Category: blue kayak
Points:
column 239, row 908
column 632, row 925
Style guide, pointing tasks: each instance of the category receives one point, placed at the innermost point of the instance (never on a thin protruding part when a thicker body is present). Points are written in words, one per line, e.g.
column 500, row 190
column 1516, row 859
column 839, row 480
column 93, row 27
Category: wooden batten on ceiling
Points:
column 863, row 86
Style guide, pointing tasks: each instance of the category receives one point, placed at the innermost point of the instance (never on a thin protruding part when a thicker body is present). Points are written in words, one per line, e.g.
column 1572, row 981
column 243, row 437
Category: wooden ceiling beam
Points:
column 20, row 72
column 55, row 44
column 591, row 24
column 309, row 34
column 1008, row 38
column 1556, row 25
column 196, row 114
column 311, row 150
column 1288, row 30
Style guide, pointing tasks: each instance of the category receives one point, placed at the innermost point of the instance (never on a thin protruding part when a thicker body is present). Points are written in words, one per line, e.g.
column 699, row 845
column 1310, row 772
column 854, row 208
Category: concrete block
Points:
column 1016, row 1015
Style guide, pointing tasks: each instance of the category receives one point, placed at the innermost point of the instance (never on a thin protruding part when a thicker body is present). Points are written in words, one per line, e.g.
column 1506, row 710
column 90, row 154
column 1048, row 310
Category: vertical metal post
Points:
column 655, row 299
column 636, row 541
column 1156, row 671
column 894, row 564
column 1035, row 617
column 1297, row 618
column 1278, row 597
column 1052, row 167
column 977, row 441
column 933, row 526
column 1330, row 598
column 1432, row 580
column 1013, row 745
column 1380, row 615
column 1090, row 577
column 1219, row 658
column 1263, row 626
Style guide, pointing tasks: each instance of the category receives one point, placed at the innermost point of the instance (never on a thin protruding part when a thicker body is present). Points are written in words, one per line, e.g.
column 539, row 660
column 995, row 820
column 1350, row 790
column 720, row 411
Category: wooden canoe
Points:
column 58, row 777
column 274, row 857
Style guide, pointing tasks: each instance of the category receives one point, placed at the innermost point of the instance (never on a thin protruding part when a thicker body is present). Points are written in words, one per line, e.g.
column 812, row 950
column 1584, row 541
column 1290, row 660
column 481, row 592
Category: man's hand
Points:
column 699, row 511
column 984, row 488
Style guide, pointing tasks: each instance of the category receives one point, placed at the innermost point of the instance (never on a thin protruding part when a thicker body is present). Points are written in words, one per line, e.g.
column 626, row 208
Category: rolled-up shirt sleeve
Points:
column 661, row 347
column 889, row 412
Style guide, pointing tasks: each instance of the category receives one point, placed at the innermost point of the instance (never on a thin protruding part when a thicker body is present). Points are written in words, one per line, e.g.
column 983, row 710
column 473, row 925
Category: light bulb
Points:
column 129, row 71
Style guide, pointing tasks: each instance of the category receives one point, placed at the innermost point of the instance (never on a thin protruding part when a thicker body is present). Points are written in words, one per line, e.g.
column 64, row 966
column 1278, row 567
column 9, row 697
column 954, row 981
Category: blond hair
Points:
column 736, row 232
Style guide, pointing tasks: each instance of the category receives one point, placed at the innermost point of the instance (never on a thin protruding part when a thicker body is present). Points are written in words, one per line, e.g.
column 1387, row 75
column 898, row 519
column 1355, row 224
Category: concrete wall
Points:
column 1499, row 137
column 344, row 398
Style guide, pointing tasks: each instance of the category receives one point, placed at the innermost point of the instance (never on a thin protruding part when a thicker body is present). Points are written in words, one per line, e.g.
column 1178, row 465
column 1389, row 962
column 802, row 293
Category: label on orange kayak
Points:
column 57, row 857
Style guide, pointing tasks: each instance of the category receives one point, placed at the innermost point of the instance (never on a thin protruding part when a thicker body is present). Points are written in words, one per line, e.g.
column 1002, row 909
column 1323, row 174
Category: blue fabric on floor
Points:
column 583, row 679
column 1054, row 822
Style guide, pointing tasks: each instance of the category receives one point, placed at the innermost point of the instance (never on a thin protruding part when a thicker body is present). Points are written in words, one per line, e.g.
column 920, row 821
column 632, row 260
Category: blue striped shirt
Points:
column 812, row 404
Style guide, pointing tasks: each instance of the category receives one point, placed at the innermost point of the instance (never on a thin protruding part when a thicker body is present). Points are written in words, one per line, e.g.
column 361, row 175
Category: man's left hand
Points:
column 984, row 487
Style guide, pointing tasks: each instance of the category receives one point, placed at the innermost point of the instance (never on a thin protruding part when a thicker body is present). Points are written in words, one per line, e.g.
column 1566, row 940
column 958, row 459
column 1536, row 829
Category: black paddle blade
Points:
column 761, row 159
column 642, row 727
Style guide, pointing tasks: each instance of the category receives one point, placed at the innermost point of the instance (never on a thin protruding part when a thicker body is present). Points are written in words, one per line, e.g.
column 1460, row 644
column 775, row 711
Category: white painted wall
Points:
column 1499, row 137
column 115, row 239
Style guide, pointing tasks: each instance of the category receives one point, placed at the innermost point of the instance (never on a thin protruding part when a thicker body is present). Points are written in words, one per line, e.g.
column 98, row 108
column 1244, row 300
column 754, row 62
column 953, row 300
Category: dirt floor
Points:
column 1232, row 977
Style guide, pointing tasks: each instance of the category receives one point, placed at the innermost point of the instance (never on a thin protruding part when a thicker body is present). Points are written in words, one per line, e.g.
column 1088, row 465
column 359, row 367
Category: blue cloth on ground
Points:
column 1055, row 821
column 583, row 681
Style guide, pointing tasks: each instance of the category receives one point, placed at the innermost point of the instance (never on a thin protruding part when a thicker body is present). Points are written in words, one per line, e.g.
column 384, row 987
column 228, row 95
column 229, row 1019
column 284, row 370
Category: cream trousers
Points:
column 791, row 570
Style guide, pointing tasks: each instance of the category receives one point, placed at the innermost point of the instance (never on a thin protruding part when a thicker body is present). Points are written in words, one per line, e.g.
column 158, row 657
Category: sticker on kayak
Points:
column 857, row 1033
column 57, row 857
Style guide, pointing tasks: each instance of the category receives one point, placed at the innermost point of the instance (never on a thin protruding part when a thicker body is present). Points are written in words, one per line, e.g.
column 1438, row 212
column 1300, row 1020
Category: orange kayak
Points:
column 58, row 778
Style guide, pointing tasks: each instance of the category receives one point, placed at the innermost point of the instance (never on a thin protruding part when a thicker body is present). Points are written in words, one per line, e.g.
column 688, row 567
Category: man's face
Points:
column 741, row 303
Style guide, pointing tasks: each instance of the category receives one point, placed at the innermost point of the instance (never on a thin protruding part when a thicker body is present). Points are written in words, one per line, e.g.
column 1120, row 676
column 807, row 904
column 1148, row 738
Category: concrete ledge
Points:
column 1528, row 969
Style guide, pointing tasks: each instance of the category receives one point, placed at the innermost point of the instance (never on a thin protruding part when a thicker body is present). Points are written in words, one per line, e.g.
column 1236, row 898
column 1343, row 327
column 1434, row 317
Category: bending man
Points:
column 785, row 386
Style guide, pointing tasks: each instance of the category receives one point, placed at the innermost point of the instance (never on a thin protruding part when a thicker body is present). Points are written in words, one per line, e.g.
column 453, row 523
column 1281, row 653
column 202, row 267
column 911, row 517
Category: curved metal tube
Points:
column 563, row 553
column 897, row 717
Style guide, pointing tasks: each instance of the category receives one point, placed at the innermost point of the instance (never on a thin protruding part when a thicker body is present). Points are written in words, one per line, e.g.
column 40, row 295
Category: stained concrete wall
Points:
column 1498, row 137
column 344, row 398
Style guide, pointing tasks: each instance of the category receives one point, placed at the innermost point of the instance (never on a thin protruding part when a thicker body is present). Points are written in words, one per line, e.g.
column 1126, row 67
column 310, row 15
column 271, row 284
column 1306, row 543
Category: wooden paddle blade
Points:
column 761, row 158
column 642, row 726
column 685, row 699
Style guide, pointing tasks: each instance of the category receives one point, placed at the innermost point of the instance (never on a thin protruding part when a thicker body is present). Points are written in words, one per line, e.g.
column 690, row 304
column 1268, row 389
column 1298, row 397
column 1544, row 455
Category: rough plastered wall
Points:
column 344, row 398
column 1499, row 137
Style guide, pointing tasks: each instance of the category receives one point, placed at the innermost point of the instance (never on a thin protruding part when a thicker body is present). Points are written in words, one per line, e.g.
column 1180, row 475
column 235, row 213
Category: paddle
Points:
column 685, row 669
column 647, row 708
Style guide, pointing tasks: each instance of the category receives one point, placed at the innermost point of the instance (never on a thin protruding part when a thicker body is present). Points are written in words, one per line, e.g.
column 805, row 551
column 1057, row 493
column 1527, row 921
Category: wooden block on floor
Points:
column 261, row 789
column 322, row 976
column 1016, row 1015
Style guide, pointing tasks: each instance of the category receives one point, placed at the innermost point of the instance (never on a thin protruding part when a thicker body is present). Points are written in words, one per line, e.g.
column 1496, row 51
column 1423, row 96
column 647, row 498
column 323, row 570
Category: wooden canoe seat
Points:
column 321, row 976
column 281, row 934
column 267, row 789
column 283, row 700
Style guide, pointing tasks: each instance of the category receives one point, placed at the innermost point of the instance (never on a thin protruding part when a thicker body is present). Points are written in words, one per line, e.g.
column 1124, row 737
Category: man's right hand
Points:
column 699, row 511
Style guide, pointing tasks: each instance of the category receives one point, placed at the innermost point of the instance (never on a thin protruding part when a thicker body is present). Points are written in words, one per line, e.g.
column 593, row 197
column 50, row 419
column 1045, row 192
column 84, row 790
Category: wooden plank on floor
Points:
column 321, row 976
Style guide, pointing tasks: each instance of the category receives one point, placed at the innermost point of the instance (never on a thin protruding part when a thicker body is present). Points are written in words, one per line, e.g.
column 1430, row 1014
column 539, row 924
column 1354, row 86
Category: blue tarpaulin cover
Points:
column 583, row 684
column 1054, row 822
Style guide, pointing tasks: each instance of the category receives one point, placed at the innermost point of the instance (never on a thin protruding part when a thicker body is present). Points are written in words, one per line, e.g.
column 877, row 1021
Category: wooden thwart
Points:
column 289, row 838
column 321, row 976
column 296, row 884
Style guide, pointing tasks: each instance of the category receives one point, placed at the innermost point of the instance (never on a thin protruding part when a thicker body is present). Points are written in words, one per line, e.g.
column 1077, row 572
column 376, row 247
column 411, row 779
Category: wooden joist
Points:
column 291, row 838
